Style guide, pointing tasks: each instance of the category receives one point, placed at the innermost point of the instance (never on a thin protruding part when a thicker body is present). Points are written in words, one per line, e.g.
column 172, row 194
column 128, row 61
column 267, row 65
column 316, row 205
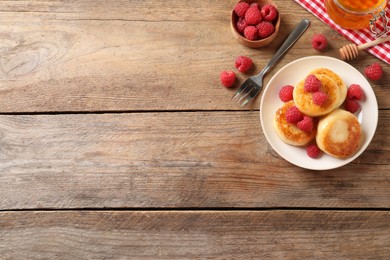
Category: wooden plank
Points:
column 126, row 55
column 192, row 159
column 195, row 235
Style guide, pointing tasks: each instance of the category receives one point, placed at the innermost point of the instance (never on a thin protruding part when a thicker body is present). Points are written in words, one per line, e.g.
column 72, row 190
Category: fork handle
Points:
column 288, row 43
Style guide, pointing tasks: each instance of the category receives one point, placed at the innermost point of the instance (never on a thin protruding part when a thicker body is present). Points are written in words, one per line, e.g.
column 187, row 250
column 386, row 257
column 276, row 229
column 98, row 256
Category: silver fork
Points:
column 253, row 85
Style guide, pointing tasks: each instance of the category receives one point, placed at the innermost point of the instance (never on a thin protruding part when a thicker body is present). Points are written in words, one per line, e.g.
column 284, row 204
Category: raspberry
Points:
column 269, row 12
column 319, row 42
column 227, row 78
column 265, row 29
column 312, row 84
column 241, row 25
column 306, row 124
column 313, row 151
column 241, row 8
column 251, row 33
column 243, row 63
column 253, row 15
column 351, row 105
column 319, row 98
column 355, row 92
column 255, row 5
column 374, row 71
column 286, row 93
column 293, row 115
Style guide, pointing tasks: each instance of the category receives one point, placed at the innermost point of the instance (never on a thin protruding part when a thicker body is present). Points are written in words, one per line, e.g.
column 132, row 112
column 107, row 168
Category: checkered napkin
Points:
column 317, row 7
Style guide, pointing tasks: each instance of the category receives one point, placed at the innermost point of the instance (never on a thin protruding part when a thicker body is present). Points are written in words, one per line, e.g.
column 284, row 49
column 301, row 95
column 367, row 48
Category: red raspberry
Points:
column 313, row 151
column 265, row 29
column 269, row 12
column 241, row 8
column 243, row 63
column 227, row 78
column 255, row 5
column 374, row 71
column 311, row 84
column 306, row 124
column 355, row 92
column 352, row 105
column 241, row 25
column 251, row 33
column 319, row 98
column 293, row 115
column 253, row 15
column 286, row 93
column 319, row 42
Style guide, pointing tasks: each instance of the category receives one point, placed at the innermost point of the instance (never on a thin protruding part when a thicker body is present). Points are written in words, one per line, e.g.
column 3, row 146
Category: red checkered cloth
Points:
column 317, row 7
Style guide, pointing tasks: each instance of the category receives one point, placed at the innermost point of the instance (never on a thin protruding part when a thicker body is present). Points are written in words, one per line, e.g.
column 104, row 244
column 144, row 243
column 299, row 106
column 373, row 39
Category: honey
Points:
column 354, row 14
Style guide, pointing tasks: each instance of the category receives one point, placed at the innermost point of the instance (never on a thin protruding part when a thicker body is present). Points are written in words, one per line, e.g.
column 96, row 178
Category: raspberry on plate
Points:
column 243, row 63
column 265, row 29
column 241, row 24
column 351, row 105
column 312, row 83
column 306, row 124
column 355, row 92
column 293, row 115
column 319, row 42
column 319, row 98
column 253, row 15
column 286, row 93
column 313, row 151
column 374, row 71
column 241, row 8
column 227, row 78
column 251, row 33
column 269, row 12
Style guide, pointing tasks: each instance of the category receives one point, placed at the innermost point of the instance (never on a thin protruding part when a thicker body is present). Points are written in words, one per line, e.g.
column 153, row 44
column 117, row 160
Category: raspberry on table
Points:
column 355, row 91
column 227, row 78
column 241, row 8
column 241, row 24
column 243, row 63
column 312, row 83
column 265, row 29
column 374, row 71
column 269, row 12
column 253, row 15
column 319, row 98
column 306, row 124
column 313, row 151
column 293, row 115
column 251, row 33
column 351, row 105
column 319, row 42
column 286, row 93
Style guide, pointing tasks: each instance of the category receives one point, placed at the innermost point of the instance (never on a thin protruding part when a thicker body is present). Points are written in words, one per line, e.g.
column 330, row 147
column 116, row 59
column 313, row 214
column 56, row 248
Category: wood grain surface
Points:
column 118, row 141
column 192, row 159
column 195, row 235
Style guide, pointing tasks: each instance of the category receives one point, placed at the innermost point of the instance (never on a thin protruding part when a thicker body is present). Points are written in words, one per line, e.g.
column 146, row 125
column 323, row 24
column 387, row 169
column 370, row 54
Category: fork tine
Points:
column 248, row 89
column 243, row 88
column 246, row 101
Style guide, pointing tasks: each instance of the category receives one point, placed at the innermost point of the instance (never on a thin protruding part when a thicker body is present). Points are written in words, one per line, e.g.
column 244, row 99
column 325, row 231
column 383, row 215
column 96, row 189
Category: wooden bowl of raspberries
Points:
column 255, row 23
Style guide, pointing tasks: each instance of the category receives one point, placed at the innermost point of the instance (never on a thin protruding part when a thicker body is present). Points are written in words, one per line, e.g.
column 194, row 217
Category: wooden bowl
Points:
column 257, row 43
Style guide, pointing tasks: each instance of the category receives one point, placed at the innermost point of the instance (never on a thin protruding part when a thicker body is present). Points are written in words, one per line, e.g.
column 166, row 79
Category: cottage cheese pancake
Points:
column 288, row 132
column 339, row 81
column 304, row 100
column 339, row 134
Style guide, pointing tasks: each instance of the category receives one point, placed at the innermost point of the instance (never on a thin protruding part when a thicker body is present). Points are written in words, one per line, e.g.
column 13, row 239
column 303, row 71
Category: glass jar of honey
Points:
column 357, row 14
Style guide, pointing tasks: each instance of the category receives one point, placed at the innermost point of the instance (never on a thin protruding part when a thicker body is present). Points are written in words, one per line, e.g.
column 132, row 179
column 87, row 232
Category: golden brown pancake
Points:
column 304, row 100
column 290, row 133
column 339, row 81
column 339, row 134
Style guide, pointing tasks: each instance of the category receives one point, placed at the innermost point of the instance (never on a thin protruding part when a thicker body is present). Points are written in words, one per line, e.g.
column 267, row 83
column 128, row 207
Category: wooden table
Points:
column 117, row 140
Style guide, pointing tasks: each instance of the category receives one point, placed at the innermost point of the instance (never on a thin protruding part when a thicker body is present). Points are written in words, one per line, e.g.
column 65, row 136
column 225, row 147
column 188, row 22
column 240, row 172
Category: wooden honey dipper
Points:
column 351, row 51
